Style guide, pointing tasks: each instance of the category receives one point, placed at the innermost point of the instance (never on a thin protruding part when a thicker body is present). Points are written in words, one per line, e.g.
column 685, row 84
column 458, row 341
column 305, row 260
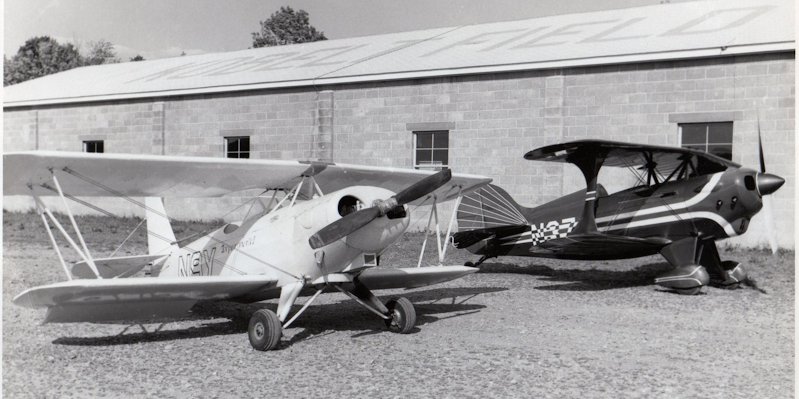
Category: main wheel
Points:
column 264, row 330
column 403, row 315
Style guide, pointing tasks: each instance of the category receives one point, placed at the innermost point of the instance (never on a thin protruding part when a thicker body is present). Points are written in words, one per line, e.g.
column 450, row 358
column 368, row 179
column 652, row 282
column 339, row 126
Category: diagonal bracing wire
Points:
column 138, row 203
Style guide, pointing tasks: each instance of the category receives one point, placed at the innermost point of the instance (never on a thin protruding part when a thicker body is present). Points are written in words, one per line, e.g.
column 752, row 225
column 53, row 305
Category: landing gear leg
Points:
column 726, row 274
column 688, row 277
column 398, row 314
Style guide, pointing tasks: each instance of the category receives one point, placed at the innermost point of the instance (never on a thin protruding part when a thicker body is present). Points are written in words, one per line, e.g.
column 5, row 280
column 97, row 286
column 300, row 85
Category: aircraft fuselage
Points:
column 711, row 206
column 276, row 244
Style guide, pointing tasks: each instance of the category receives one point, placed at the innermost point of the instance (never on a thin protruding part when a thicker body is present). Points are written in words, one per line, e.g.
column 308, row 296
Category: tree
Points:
column 40, row 56
column 138, row 57
column 101, row 52
column 286, row 27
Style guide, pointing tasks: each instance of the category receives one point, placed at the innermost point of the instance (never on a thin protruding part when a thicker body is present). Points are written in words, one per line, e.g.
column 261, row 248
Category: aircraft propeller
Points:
column 354, row 221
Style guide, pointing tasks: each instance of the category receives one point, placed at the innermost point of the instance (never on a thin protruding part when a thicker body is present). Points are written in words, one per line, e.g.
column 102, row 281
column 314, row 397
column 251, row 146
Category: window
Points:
column 431, row 149
column 237, row 147
column 93, row 146
column 714, row 137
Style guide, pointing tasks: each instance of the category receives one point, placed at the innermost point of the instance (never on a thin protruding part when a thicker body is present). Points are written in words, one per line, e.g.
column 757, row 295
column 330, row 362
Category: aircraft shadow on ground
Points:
column 431, row 305
column 583, row 279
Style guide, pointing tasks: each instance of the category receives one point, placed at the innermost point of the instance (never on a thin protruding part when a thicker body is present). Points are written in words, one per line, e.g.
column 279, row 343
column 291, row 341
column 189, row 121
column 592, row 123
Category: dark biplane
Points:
column 684, row 201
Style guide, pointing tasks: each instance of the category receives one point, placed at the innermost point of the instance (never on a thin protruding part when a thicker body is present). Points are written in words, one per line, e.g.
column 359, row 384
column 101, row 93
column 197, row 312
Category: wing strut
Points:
column 41, row 207
column 589, row 159
column 442, row 248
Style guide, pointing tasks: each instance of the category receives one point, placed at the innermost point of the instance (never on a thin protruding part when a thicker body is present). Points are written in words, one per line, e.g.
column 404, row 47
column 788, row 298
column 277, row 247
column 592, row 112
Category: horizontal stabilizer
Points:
column 137, row 298
column 384, row 278
column 123, row 266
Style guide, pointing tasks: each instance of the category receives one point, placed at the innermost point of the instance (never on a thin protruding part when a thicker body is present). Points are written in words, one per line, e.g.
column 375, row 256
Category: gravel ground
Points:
column 521, row 327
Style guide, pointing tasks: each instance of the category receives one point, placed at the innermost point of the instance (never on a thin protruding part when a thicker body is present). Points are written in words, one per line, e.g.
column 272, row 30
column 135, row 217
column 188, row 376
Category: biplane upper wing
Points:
column 133, row 175
column 619, row 154
column 136, row 298
column 659, row 163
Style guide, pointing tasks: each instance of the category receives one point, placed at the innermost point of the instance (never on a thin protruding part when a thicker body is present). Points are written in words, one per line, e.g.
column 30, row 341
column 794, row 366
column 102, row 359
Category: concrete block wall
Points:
column 493, row 120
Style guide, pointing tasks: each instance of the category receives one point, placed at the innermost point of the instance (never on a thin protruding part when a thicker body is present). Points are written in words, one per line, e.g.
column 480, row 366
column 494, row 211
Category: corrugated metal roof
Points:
column 658, row 32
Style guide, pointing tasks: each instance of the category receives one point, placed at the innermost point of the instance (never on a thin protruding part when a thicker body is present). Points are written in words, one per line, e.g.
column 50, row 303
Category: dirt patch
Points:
column 521, row 327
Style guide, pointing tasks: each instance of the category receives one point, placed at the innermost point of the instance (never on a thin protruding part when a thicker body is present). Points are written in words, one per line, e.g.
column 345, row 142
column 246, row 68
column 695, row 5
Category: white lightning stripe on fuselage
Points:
column 706, row 190
column 674, row 218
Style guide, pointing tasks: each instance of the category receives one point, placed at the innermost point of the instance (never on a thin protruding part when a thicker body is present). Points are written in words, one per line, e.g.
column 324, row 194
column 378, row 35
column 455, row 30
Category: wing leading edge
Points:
column 137, row 298
column 85, row 174
column 619, row 154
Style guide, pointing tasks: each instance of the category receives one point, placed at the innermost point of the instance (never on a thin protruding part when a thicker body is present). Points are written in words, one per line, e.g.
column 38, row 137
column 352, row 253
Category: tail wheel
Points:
column 264, row 330
column 403, row 315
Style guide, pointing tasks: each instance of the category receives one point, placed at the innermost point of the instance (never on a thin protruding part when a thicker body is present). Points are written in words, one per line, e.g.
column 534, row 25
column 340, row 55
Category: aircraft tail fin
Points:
column 489, row 207
column 160, row 237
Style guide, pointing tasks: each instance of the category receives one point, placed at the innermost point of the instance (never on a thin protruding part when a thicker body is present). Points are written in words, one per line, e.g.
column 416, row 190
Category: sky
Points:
column 166, row 28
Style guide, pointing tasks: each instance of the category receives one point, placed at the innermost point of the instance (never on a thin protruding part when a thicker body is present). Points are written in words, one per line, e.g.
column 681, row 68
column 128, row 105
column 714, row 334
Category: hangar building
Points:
column 475, row 98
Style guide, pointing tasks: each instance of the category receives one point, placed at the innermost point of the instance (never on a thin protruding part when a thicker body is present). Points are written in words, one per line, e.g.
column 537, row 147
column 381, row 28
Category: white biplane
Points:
column 326, row 229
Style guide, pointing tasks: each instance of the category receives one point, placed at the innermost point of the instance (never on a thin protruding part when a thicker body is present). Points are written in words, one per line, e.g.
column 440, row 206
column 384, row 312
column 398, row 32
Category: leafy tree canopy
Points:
column 101, row 52
column 40, row 56
column 138, row 57
column 286, row 27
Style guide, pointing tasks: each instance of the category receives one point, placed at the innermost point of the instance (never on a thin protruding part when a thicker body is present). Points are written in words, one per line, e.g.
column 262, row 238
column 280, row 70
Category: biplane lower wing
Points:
column 411, row 277
column 597, row 246
column 138, row 298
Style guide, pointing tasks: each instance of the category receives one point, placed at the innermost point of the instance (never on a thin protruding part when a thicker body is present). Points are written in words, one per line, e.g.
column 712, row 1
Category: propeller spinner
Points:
column 354, row 221
column 767, row 183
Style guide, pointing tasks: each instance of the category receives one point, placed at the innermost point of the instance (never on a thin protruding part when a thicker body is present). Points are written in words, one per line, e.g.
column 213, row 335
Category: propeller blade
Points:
column 760, row 148
column 423, row 187
column 343, row 227
column 354, row 221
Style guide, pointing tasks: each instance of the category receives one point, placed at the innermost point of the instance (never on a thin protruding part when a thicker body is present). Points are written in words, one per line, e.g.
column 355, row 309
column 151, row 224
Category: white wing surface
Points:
column 87, row 174
column 379, row 278
column 137, row 298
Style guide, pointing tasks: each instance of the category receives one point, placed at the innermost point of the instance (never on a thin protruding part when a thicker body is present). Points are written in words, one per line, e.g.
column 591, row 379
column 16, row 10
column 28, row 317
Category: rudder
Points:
column 487, row 208
column 160, row 236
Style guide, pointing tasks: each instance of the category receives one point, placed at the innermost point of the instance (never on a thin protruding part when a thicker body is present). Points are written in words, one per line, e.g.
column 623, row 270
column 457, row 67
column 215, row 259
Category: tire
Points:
column 403, row 315
column 264, row 330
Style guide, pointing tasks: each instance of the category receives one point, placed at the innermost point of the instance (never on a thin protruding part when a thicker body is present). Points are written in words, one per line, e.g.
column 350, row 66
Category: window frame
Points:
column 87, row 143
column 239, row 152
column 432, row 148
column 707, row 143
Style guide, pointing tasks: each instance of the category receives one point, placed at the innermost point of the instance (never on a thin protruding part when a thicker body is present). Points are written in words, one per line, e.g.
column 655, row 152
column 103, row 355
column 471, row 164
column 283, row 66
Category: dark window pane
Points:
column 440, row 157
column 244, row 155
column 720, row 133
column 724, row 151
column 694, row 133
column 441, row 139
column 423, row 156
column 424, row 140
column 244, row 144
column 232, row 144
column 93, row 146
